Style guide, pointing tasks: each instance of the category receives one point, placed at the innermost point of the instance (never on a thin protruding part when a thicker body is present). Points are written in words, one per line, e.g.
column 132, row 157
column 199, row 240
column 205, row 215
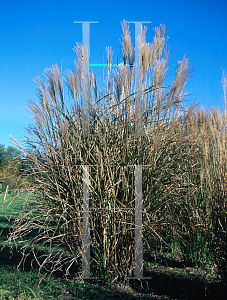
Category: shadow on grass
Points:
column 163, row 284
column 12, row 256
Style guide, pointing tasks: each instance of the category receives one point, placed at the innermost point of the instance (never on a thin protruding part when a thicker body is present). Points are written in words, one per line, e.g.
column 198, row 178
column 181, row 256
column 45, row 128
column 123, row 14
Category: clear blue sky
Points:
column 36, row 34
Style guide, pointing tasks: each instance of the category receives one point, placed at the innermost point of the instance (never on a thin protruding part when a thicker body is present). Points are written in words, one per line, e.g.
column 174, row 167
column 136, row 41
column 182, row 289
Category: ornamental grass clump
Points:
column 200, row 233
column 67, row 142
column 210, row 197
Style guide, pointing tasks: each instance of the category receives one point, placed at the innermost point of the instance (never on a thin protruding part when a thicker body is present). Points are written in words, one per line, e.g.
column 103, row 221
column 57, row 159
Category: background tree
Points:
column 13, row 169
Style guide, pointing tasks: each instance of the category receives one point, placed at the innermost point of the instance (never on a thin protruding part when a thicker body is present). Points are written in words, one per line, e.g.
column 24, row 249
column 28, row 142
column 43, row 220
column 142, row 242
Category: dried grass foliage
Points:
column 178, row 150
